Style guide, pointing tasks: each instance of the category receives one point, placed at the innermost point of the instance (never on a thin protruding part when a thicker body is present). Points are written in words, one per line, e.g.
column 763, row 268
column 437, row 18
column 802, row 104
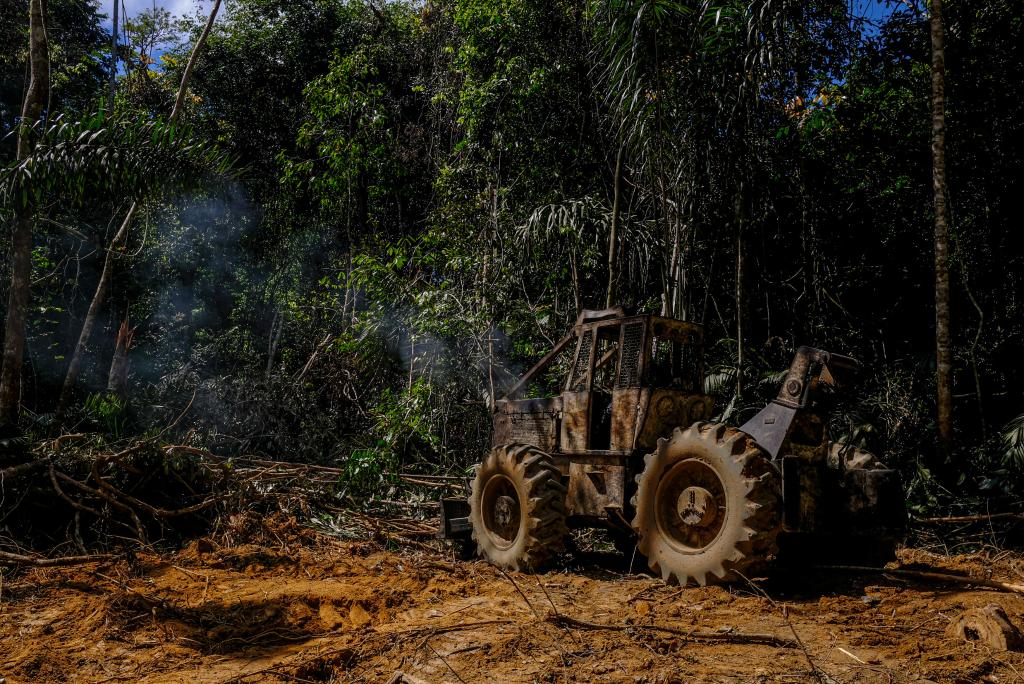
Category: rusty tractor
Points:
column 626, row 447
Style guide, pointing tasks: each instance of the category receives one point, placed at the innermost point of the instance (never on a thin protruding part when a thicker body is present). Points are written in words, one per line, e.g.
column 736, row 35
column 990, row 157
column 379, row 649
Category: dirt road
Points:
column 311, row 609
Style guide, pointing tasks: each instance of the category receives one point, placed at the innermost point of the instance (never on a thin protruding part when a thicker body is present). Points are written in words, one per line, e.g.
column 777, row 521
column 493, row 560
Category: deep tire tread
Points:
column 543, row 529
column 747, row 541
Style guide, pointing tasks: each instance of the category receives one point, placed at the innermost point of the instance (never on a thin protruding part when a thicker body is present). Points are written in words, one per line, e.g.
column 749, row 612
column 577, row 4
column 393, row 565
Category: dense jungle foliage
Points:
column 372, row 216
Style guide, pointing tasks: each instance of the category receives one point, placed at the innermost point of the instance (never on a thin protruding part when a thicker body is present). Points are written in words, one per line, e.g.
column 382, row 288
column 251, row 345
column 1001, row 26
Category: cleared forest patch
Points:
column 309, row 608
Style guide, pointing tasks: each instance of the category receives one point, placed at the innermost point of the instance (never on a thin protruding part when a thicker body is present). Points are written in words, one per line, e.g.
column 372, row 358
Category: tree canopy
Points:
column 413, row 201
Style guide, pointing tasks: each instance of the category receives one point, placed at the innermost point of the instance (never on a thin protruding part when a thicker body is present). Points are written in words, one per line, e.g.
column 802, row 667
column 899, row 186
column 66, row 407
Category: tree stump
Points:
column 988, row 625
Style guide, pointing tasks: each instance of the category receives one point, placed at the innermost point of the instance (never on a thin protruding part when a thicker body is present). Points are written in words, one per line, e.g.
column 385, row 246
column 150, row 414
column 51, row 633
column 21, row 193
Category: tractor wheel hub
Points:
column 696, row 507
column 504, row 511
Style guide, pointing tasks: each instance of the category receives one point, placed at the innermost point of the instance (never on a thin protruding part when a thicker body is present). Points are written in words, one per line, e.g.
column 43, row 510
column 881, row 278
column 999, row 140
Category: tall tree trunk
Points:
column 613, row 233
column 187, row 74
column 742, row 216
column 21, row 237
column 485, row 301
column 75, row 366
column 113, row 60
column 667, row 259
column 943, row 347
column 685, row 237
column 676, row 266
column 39, row 71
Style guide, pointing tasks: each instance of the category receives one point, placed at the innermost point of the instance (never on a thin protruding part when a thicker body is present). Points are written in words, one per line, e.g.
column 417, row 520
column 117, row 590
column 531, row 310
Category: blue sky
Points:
column 874, row 10
column 175, row 7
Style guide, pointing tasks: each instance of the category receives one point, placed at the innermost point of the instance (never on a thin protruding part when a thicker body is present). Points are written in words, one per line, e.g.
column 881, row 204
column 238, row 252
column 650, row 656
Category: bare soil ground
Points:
column 308, row 608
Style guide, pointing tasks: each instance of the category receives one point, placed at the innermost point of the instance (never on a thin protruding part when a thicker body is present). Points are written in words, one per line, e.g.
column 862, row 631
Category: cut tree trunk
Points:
column 21, row 235
column 943, row 345
column 117, row 379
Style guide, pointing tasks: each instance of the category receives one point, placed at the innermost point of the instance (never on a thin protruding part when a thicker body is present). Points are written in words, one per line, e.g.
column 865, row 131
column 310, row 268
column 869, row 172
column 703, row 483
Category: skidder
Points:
column 624, row 447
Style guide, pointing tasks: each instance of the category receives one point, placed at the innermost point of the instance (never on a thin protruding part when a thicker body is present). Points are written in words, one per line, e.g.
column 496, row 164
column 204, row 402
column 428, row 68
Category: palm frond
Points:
column 719, row 378
column 1013, row 442
column 104, row 156
column 578, row 223
column 772, row 378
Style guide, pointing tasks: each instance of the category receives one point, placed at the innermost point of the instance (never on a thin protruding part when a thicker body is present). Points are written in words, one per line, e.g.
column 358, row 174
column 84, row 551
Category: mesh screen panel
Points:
column 579, row 371
column 629, row 369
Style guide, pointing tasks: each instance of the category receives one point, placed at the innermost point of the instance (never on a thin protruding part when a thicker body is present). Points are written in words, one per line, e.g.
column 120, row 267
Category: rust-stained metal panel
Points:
column 684, row 331
column 595, row 488
column 531, row 421
column 641, row 418
column 625, row 414
column 668, row 409
column 575, row 421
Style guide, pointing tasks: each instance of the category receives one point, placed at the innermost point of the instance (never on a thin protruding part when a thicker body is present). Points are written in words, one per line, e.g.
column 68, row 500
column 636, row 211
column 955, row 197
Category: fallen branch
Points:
column 400, row 532
column 433, row 630
column 427, row 483
column 74, row 504
column 55, row 443
column 89, row 490
column 312, row 357
column 521, row 593
column 928, row 575
column 444, row 660
column 152, row 510
column 246, row 460
column 727, row 637
column 454, row 478
column 128, row 451
column 970, row 518
column 407, row 504
column 18, row 559
column 22, row 468
column 140, row 531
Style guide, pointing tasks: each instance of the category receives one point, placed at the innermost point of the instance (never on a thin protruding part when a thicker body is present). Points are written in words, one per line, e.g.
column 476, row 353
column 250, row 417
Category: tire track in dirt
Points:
column 322, row 611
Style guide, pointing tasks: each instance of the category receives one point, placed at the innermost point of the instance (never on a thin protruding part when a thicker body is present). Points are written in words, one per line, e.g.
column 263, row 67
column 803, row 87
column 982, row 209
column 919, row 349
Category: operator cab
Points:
column 629, row 380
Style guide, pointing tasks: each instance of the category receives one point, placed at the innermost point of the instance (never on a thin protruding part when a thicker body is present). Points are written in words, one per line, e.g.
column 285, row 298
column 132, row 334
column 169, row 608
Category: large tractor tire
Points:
column 517, row 508
column 708, row 506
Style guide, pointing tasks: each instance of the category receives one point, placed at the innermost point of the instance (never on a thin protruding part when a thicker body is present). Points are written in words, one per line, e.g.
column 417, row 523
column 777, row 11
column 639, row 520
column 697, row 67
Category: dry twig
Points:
column 691, row 635
column 819, row 674
column 521, row 593
column 21, row 469
column 19, row 559
column 970, row 518
column 928, row 575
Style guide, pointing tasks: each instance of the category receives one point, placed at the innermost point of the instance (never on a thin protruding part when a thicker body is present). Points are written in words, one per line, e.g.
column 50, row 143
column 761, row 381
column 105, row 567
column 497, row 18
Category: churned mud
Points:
column 307, row 608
